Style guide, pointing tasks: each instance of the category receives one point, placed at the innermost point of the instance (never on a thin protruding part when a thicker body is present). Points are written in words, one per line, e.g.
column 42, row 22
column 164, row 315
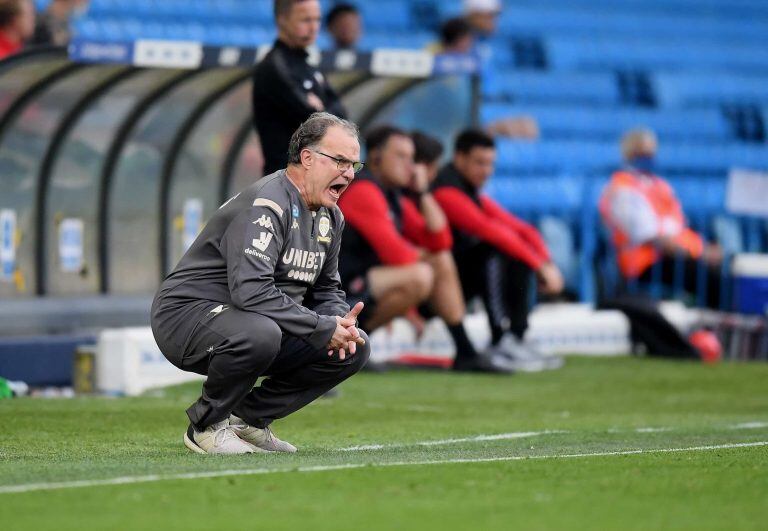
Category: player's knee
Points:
column 263, row 342
column 421, row 280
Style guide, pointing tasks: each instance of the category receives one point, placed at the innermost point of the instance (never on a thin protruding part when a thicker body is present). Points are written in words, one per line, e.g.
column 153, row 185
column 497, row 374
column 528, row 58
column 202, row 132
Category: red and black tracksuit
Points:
column 495, row 251
column 383, row 227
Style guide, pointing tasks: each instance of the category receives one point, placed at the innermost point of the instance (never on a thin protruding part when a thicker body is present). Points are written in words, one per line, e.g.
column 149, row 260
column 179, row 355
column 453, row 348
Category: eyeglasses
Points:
column 344, row 164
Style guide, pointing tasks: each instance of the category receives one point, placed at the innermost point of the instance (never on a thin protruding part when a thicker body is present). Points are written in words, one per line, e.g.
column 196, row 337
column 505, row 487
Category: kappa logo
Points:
column 265, row 221
column 263, row 242
column 295, row 224
column 324, row 227
column 218, row 309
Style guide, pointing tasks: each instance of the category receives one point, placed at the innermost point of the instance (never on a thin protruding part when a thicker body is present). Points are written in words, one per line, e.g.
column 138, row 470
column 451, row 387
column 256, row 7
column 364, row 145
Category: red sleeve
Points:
column 527, row 231
column 365, row 208
column 466, row 216
column 416, row 230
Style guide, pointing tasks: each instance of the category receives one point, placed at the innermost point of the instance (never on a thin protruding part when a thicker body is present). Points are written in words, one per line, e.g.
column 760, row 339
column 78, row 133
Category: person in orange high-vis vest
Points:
column 647, row 224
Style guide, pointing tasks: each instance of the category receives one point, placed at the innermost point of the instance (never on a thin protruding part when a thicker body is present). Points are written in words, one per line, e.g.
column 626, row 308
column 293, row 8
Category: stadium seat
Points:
column 606, row 123
column 552, row 87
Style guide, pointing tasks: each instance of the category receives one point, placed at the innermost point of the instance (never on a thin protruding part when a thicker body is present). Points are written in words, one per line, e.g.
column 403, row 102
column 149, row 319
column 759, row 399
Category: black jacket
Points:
column 281, row 83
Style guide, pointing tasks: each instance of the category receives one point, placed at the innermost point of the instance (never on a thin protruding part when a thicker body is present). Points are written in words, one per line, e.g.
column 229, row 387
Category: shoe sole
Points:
column 189, row 443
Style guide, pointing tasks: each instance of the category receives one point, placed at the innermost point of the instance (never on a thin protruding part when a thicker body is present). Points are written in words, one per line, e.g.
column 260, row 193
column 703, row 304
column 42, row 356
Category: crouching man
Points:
column 258, row 294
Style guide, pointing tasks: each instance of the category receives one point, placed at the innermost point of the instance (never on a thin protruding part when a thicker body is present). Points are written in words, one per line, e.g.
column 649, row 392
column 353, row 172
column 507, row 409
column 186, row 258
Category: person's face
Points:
column 394, row 161
column 476, row 165
column 25, row 22
column 462, row 45
column 346, row 30
column 299, row 27
column 646, row 147
column 483, row 21
column 324, row 182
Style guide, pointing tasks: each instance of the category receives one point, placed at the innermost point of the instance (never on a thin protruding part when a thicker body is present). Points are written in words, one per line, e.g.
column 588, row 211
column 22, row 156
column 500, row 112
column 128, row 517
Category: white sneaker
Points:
column 520, row 358
column 219, row 438
column 260, row 439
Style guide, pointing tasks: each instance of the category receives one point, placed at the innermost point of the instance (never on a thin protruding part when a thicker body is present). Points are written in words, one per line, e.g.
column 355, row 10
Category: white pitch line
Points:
column 126, row 480
column 749, row 425
column 440, row 442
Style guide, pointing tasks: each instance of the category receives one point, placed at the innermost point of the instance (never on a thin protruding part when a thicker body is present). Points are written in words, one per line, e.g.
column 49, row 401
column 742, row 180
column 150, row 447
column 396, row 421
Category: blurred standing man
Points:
column 345, row 26
column 286, row 88
column 17, row 24
column 396, row 250
column 495, row 251
column 53, row 24
column 647, row 223
column 258, row 294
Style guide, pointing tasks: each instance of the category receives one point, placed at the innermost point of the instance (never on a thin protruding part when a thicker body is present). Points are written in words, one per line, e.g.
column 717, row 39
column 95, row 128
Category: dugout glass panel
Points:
column 440, row 107
column 23, row 146
column 18, row 76
column 75, row 183
column 197, row 177
column 134, row 196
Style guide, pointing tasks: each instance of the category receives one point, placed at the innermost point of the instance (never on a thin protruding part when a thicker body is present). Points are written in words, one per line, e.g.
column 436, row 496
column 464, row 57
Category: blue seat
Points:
column 580, row 122
column 517, row 157
column 552, row 87
column 705, row 88
column 386, row 15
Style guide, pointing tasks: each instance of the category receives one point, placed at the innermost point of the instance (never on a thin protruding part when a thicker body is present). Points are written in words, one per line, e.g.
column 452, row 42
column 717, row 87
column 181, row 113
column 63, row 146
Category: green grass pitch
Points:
column 604, row 443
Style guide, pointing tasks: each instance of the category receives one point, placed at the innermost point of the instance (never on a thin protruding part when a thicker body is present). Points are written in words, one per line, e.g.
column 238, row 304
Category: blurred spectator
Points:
column 482, row 16
column 647, row 224
column 396, row 250
column 53, row 24
column 286, row 88
column 345, row 26
column 427, row 153
column 495, row 251
column 456, row 36
column 17, row 24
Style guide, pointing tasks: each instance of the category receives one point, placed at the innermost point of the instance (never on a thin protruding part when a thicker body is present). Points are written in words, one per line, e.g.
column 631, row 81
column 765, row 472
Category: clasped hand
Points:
column 346, row 337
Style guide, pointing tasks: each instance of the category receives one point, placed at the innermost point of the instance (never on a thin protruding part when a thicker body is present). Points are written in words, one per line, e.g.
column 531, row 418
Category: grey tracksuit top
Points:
column 263, row 251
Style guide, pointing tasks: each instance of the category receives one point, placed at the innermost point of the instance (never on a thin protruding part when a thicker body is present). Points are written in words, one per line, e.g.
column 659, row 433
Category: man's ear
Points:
column 306, row 158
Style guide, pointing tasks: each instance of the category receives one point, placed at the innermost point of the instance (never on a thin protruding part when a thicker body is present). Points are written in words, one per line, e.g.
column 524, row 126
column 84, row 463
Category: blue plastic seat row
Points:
column 203, row 11
column 565, row 87
column 603, row 53
column 707, row 88
column 571, row 121
column 522, row 157
column 634, row 22
column 725, row 8
column 131, row 29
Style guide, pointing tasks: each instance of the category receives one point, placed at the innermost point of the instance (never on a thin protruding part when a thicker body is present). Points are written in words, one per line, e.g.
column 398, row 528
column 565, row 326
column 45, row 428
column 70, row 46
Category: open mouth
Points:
column 337, row 189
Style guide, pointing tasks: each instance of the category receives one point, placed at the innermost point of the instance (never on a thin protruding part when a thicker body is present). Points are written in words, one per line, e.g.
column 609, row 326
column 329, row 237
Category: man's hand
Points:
column 550, row 279
column 315, row 102
column 347, row 336
column 420, row 180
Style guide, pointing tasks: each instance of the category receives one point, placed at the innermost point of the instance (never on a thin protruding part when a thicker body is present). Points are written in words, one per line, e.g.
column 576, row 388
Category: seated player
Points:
column 647, row 224
column 396, row 249
column 495, row 251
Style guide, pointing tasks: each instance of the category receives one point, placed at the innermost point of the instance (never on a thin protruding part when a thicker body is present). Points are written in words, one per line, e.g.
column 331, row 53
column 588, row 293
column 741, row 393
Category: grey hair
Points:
column 313, row 129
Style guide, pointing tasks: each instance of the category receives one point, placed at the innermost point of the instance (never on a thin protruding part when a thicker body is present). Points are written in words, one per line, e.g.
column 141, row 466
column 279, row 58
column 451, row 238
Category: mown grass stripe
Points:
column 126, row 480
